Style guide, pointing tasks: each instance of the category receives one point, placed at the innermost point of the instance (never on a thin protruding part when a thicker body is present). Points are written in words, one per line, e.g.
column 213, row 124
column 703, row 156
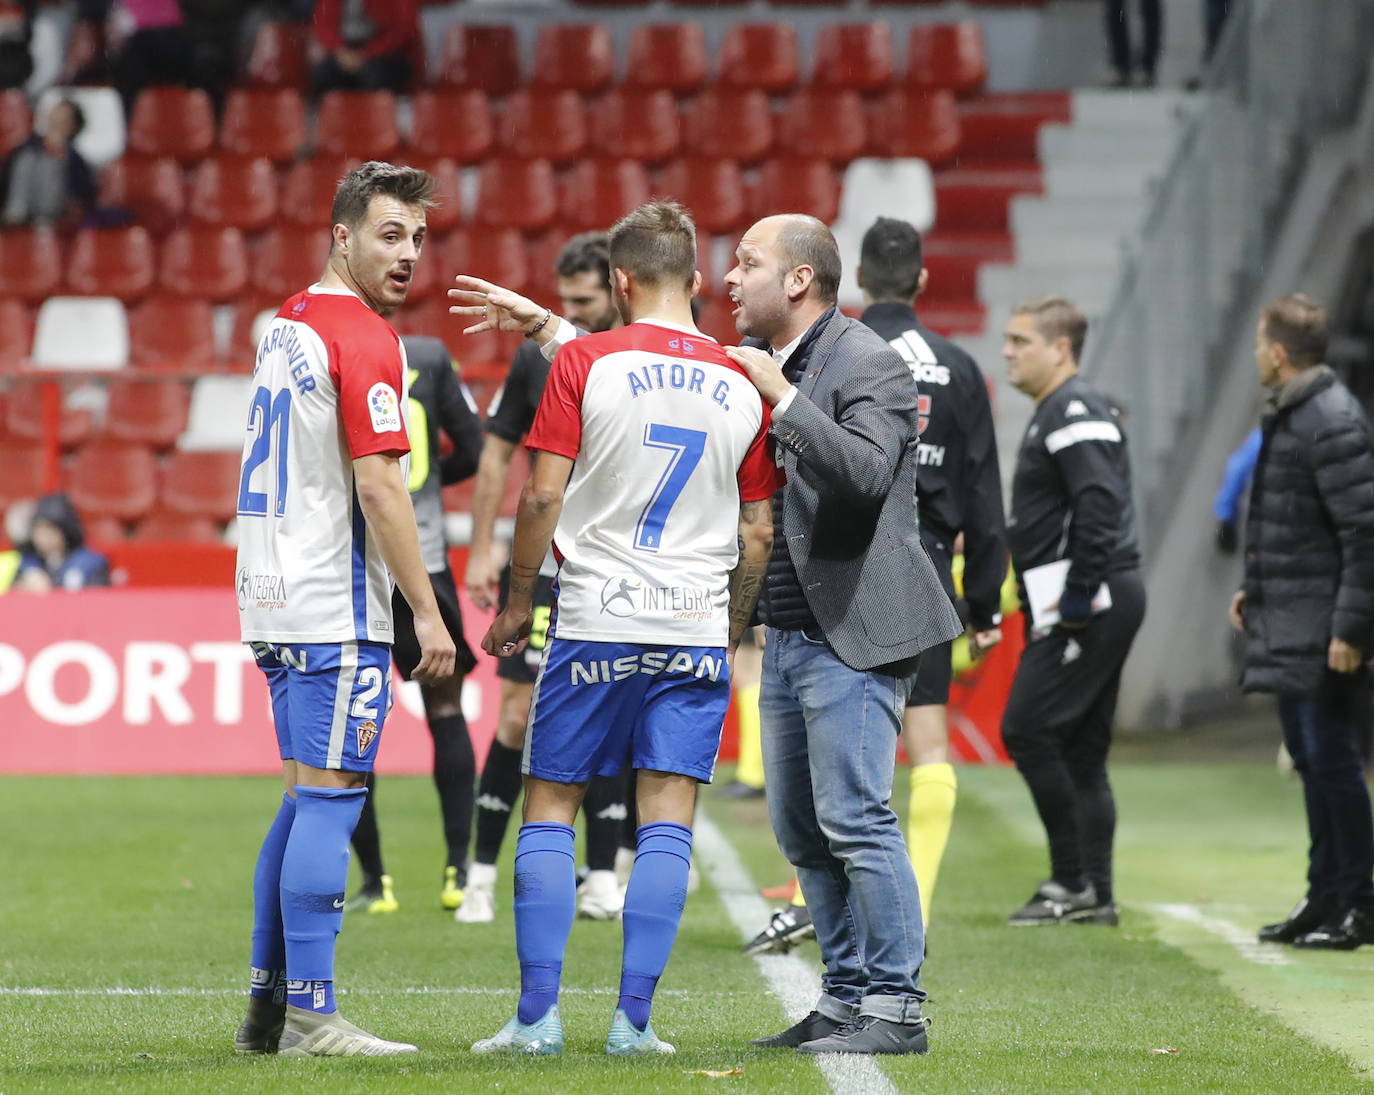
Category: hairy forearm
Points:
column 746, row 580
column 535, row 522
column 493, row 466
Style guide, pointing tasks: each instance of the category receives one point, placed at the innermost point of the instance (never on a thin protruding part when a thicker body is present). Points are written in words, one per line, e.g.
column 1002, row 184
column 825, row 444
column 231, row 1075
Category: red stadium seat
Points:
column 828, row 123
column 717, row 320
column 639, row 123
column 452, row 124
column 480, row 56
column 289, row 259
column 172, row 333
column 172, row 121
column 112, row 262
column 263, row 122
column 113, row 480
column 712, row 191
column 667, row 55
column 761, row 55
column 916, row 123
column 234, row 190
column 149, row 187
column 169, row 526
column 24, row 422
column 447, row 210
column 516, row 193
column 16, row 121
column 308, row 193
column 597, row 193
column 25, row 465
column 950, row 56
column 854, row 55
column 579, row 56
column 431, row 318
column 542, row 254
column 493, row 254
column 146, row 412
column 357, row 123
column 797, row 186
column 202, row 484
column 279, row 57
column 543, row 122
column 243, row 348
column 722, row 123
column 30, row 263
column 101, row 529
column 16, row 333
column 206, row 262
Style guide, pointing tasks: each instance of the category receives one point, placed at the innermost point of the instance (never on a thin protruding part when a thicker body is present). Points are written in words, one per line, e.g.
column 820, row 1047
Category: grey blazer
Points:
column 848, row 443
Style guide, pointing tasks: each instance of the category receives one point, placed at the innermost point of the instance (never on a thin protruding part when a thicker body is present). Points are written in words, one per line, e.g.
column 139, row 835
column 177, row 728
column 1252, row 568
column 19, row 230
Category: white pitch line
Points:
column 1245, row 943
column 792, row 980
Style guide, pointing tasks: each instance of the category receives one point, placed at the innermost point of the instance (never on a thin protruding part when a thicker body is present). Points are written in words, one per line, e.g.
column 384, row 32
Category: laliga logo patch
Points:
column 367, row 734
column 384, row 408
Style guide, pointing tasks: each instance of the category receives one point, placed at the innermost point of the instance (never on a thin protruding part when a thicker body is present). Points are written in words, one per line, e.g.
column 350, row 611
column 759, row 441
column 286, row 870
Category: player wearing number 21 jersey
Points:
column 311, row 574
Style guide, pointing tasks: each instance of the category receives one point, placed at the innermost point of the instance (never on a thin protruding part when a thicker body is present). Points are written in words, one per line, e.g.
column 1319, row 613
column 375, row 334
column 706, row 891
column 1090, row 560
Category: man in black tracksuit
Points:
column 958, row 490
column 1071, row 500
column 1307, row 610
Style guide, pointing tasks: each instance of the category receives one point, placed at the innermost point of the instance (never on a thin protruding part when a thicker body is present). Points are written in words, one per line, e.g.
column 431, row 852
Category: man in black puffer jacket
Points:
column 1307, row 610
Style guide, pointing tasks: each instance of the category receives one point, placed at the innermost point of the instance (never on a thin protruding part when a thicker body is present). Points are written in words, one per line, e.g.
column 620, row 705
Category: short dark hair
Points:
column 806, row 241
column 78, row 115
column 590, row 251
column 1057, row 318
column 357, row 189
column 656, row 245
column 1298, row 324
column 890, row 260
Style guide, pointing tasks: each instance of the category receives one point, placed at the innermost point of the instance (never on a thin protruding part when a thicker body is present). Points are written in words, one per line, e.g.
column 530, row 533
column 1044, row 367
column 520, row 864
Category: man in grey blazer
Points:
column 850, row 599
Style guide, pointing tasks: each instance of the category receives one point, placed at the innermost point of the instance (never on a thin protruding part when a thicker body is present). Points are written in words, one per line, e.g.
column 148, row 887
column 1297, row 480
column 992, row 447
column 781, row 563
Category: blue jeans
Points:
column 1319, row 733
column 829, row 750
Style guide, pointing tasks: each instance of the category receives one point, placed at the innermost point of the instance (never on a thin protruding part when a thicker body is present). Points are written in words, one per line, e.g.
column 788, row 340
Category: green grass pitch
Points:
column 143, row 885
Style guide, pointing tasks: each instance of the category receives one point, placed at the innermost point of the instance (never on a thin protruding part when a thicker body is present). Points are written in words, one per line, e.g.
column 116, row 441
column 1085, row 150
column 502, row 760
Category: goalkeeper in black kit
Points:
column 1077, row 556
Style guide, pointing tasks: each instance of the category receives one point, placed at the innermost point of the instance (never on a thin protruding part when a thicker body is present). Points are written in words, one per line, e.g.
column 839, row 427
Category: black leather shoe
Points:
column 1345, row 933
column 809, row 1029
column 1308, row 915
column 869, row 1034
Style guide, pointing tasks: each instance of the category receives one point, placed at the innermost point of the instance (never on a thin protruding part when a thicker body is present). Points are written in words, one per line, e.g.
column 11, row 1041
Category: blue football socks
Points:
column 269, row 945
column 545, row 905
column 653, row 911
column 314, row 872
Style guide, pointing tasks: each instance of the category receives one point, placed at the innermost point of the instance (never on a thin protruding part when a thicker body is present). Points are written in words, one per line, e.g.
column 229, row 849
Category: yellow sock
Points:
column 750, row 768
column 798, row 900
column 930, row 814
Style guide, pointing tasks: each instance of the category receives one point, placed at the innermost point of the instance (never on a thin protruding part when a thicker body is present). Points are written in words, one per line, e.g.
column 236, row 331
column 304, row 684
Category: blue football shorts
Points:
column 598, row 705
column 329, row 700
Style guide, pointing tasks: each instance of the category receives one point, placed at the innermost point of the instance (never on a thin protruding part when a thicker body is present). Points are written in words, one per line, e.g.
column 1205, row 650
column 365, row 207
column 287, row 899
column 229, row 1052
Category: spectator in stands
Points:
column 1214, row 21
column 46, row 179
column 149, row 46
column 1307, row 610
column 1119, row 38
column 369, row 45
column 56, row 556
column 16, row 34
column 212, row 27
column 18, row 522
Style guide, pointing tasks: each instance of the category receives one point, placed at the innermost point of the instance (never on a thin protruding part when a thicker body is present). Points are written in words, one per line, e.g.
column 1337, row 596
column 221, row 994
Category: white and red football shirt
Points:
column 331, row 386
column 668, row 437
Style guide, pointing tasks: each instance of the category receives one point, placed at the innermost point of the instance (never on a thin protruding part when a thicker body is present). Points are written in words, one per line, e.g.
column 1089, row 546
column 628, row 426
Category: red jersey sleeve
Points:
column 759, row 475
column 557, row 426
column 366, row 366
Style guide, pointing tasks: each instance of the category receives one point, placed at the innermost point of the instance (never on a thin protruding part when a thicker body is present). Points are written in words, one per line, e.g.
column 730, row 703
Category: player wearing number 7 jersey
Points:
column 325, row 523
column 653, row 478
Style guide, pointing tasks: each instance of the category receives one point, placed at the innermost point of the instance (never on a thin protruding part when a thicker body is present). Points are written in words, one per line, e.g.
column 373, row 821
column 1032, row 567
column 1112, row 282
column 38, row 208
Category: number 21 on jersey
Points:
column 269, row 418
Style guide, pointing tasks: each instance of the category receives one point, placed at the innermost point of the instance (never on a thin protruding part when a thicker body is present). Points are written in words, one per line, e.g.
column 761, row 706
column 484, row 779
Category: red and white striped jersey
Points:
column 668, row 437
column 331, row 387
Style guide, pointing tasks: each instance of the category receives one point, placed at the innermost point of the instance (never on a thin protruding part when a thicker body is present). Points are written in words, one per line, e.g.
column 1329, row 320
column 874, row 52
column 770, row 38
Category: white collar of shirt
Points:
column 781, row 356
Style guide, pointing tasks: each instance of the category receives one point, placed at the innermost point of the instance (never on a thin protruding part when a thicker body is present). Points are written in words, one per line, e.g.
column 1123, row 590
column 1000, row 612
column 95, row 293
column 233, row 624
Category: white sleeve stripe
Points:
column 1075, row 432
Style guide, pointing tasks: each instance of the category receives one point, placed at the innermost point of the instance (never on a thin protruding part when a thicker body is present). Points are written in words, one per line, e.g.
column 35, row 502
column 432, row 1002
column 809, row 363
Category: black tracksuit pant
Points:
column 1057, row 727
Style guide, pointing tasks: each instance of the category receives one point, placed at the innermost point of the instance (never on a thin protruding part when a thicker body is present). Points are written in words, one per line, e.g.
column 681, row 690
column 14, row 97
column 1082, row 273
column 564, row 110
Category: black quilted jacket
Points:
column 1309, row 543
